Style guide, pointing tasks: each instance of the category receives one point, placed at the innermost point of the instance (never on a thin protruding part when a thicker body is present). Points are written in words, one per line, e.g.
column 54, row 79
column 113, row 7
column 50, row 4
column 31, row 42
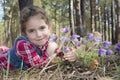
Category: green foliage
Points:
column 8, row 6
column 57, row 11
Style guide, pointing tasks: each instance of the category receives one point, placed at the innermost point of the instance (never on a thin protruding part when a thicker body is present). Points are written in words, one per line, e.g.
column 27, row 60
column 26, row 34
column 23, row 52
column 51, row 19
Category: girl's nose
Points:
column 38, row 33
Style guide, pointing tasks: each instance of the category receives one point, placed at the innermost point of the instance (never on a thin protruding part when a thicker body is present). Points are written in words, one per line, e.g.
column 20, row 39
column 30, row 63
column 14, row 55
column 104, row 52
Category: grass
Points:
column 89, row 66
column 64, row 70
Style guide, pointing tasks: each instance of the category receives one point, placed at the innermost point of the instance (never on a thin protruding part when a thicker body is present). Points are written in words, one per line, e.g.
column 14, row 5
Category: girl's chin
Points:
column 41, row 44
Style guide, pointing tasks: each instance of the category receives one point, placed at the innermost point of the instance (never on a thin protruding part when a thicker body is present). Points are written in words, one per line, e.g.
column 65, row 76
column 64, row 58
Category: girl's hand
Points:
column 71, row 55
column 52, row 46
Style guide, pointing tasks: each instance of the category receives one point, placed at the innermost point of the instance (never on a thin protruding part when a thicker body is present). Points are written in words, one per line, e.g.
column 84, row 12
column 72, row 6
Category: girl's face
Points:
column 37, row 30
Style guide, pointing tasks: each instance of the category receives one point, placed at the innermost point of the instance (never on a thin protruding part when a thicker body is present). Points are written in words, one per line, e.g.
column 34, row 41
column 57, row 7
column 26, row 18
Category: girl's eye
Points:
column 31, row 30
column 42, row 27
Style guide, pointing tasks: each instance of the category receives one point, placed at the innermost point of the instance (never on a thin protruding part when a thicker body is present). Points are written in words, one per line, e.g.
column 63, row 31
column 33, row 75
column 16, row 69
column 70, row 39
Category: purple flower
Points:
column 65, row 30
column 64, row 39
column 117, row 46
column 66, row 49
column 97, row 36
column 109, row 52
column 102, row 52
column 74, row 37
column 53, row 37
column 83, row 46
column 79, row 43
column 106, row 44
column 90, row 36
column 97, row 39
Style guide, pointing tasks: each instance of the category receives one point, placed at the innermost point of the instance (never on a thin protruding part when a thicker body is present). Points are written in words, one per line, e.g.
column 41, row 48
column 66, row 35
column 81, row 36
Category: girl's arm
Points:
column 27, row 52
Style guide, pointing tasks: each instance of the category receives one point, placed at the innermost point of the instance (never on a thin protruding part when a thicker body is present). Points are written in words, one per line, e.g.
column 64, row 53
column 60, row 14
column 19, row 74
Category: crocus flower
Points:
column 78, row 43
column 64, row 39
column 106, row 44
column 66, row 49
column 97, row 39
column 74, row 37
column 117, row 47
column 65, row 30
column 53, row 37
column 102, row 52
column 97, row 36
column 83, row 46
column 109, row 52
column 90, row 36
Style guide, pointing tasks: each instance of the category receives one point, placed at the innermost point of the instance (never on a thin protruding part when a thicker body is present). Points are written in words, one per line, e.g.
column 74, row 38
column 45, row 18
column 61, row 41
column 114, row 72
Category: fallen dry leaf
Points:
column 93, row 65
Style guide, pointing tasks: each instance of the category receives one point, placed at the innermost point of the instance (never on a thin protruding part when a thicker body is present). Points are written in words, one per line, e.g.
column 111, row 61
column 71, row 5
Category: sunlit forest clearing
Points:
column 92, row 27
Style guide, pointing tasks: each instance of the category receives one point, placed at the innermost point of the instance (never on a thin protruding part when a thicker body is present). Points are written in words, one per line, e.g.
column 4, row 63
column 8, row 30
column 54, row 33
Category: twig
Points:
column 54, row 55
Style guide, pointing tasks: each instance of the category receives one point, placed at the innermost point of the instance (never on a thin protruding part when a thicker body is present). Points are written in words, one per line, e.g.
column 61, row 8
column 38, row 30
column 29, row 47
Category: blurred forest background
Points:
column 83, row 16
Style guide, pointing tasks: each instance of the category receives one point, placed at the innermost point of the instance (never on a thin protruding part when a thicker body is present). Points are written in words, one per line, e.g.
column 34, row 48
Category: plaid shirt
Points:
column 27, row 53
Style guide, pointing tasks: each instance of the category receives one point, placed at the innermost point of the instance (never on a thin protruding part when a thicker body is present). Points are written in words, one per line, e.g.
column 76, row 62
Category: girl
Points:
column 32, row 48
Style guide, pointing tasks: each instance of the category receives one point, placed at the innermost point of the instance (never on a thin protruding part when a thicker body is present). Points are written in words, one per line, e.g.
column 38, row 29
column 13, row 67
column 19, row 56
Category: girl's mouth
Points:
column 40, row 39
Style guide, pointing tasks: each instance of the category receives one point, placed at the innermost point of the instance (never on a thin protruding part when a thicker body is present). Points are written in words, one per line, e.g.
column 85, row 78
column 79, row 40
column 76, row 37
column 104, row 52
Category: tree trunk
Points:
column 117, row 32
column 83, row 15
column 24, row 3
column 78, row 18
column 104, row 29
column 10, row 23
column 71, row 17
column 9, row 35
column 92, row 6
column 113, row 23
column 4, row 25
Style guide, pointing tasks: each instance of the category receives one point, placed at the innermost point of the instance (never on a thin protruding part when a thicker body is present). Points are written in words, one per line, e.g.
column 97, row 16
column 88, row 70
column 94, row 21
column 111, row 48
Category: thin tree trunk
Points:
column 99, row 16
column 10, row 24
column 92, row 6
column 79, row 26
column 109, row 35
column 113, row 23
column 71, row 17
column 83, row 15
column 104, row 21
column 9, row 33
column 4, row 25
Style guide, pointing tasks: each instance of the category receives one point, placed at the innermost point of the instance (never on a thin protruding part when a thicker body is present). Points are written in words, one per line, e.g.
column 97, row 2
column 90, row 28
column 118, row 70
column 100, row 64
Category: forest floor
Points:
column 68, row 71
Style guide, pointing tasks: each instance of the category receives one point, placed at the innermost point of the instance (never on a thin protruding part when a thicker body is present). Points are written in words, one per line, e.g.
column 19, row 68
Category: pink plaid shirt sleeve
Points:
column 27, row 52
